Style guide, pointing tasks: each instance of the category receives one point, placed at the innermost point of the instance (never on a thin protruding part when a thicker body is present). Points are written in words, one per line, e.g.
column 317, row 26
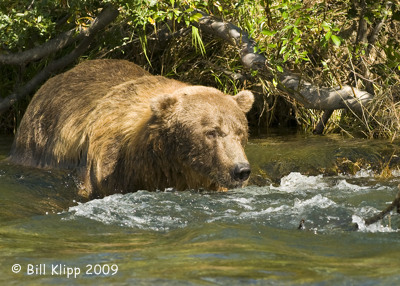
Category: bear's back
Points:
column 66, row 100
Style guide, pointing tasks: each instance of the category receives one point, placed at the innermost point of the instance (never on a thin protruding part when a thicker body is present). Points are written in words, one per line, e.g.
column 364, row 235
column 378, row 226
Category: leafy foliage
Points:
column 319, row 39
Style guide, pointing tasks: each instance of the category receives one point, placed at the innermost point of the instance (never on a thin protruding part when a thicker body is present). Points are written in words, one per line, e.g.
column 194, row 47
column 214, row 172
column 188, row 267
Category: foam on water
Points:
column 322, row 202
column 132, row 210
column 296, row 181
column 364, row 173
column 318, row 200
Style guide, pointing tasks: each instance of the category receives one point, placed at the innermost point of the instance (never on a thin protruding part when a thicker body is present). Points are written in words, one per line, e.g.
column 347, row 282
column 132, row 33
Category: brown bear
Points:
column 123, row 129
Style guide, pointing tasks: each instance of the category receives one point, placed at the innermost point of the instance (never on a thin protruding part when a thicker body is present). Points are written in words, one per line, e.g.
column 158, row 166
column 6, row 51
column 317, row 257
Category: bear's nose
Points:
column 241, row 172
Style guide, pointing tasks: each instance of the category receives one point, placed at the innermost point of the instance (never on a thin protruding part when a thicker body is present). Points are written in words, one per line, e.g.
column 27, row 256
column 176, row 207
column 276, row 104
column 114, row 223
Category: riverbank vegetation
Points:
column 318, row 66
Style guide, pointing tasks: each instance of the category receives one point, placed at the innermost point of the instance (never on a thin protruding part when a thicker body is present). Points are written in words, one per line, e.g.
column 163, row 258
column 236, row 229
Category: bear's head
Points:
column 204, row 132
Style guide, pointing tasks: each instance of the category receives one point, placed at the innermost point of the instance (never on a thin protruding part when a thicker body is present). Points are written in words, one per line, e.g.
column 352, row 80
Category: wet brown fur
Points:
column 124, row 130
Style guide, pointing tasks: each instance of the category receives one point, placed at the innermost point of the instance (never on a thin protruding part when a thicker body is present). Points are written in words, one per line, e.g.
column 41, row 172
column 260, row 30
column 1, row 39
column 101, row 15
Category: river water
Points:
column 246, row 236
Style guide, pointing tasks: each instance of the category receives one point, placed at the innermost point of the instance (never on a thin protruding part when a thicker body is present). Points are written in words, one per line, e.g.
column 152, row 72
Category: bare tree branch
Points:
column 362, row 32
column 364, row 36
column 382, row 214
column 234, row 35
column 324, row 98
column 319, row 129
column 41, row 51
column 306, row 93
column 107, row 15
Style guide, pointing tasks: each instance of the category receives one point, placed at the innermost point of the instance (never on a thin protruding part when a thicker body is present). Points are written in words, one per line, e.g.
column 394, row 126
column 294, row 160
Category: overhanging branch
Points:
column 309, row 95
column 41, row 51
column 107, row 15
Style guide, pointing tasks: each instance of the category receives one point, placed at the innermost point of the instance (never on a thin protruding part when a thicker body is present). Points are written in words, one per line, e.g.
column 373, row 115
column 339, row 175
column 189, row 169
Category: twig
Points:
column 382, row 214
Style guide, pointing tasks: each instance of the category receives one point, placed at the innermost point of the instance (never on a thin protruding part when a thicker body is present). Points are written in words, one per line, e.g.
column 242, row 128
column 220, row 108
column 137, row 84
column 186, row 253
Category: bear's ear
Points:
column 245, row 100
column 162, row 104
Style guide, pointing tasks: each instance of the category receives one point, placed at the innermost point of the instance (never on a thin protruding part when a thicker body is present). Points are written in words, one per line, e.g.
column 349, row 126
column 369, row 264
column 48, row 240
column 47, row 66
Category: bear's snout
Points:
column 241, row 172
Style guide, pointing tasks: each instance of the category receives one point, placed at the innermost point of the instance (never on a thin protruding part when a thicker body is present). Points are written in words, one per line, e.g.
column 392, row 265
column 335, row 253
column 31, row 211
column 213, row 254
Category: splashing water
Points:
column 324, row 204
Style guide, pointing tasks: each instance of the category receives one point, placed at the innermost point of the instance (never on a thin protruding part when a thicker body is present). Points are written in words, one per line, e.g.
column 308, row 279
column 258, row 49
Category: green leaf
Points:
column 336, row 40
column 328, row 36
column 286, row 57
column 279, row 68
column 151, row 21
column 196, row 17
column 268, row 33
column 326, row 26
column 197, row 42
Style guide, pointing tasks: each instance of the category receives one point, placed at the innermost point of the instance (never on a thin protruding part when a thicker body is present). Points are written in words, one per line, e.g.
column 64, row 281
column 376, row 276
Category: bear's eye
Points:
column 211, row 134
column 214, row 133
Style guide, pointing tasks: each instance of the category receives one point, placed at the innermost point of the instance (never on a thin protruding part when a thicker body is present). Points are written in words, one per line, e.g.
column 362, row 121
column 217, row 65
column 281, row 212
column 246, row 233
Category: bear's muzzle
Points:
column 241, row 172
